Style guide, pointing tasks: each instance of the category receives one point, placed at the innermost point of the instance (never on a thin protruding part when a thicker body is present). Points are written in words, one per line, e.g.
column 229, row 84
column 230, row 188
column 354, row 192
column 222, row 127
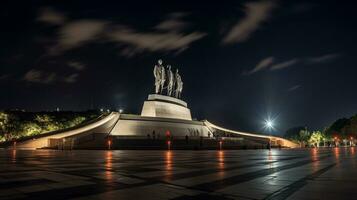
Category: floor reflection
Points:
column 220, row 155
column 168, row 164
column 314, row 152
column 220, row 163
column 336, row 152
column 270, row 159
column 314, row 157
column 108, row 165
column 352, row 151
column 13, row 156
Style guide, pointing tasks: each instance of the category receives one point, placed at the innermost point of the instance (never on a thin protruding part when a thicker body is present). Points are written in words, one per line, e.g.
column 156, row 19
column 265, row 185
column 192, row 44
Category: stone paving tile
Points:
column 214, row 177
column 33, row 188
column 243, row 174
column 8, row 192
column 146, row 192
column 117, row 177
column 69, row 184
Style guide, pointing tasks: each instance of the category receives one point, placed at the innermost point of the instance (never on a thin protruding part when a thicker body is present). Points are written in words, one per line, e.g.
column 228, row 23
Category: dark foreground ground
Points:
column 235, row 174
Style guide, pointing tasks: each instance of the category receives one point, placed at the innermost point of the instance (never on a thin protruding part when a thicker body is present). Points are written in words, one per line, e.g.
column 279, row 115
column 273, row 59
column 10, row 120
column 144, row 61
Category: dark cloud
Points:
column 45, row 77
column 285, row 64
column 255, row 14
column 269, row 63
column 77, row 33
column 323, row 58
column 76, row 65
column 263, row 64
column 137, row 42
column 168, row 37
column 38, row 76
column 293, row 88
column 4, row 77
column 50, row 16
column 71, row 78
column 173, row 23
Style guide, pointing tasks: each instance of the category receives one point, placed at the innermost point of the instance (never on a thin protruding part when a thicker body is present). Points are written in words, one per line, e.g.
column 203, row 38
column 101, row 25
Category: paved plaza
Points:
column 236, row 174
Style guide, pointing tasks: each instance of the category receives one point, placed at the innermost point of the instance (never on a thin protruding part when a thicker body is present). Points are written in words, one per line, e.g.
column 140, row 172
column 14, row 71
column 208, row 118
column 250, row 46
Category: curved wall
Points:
column 102, row 126
column 134, row 125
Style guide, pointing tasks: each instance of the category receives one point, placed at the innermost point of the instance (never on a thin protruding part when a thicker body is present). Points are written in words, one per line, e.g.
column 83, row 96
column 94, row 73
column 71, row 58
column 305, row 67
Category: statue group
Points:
column 166, row 79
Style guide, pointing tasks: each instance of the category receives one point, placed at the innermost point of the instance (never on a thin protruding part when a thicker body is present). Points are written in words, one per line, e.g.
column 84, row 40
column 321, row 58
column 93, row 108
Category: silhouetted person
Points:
column 153, row 135
column 186, row 138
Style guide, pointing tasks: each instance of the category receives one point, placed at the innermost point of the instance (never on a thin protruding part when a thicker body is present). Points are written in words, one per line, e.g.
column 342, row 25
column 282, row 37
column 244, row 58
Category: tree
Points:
column 298, row 135
column 350, row 129
column 14, row 124
column 293, row 133
column 31, row 129
column 9, row 126
column 316, row 138
column 75, row 121
column 4, row 120
column 337, row 126
column 304, row 137
column 47, row 123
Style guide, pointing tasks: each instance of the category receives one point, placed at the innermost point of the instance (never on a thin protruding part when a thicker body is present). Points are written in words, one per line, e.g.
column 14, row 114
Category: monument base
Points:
column 141, row 127
column 161, row 116
column 165, row 107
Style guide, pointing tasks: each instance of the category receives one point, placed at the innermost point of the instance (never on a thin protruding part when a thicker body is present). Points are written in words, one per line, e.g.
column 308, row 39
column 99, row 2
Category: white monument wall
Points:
column 138, row 127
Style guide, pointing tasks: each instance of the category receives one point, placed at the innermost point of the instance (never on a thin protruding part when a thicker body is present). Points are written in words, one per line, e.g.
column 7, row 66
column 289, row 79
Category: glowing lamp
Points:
column 168, row 144
column 109, row 144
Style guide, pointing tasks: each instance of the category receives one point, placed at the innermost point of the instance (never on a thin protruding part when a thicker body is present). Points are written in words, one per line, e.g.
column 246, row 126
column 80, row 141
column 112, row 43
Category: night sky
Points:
column 241, row 62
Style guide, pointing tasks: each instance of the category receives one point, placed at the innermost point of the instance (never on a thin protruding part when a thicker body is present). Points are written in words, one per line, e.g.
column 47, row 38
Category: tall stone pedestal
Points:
column 165, row 107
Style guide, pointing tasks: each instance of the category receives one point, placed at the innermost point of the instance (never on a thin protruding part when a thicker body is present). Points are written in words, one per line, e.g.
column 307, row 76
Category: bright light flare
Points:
column 269, row 124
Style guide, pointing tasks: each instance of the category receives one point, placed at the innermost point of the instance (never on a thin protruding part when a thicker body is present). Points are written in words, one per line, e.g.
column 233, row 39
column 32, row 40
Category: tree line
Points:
column 17, row 124
column 341, row 132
